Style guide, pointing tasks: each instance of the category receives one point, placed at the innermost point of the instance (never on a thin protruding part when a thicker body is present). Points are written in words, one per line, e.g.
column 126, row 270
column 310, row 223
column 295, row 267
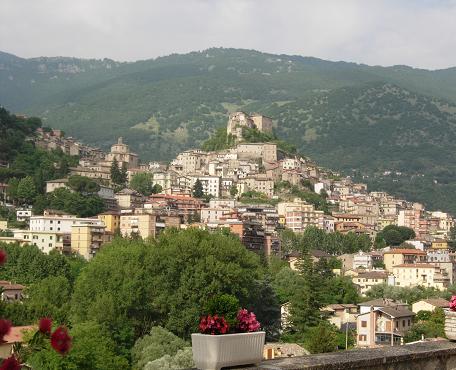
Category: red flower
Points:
column 10, row 363
column 3, row 256
column 5, row 327
column 453, row 303
column 247, row 321
column 60, row 340
column 213, row 325
column 45, row 325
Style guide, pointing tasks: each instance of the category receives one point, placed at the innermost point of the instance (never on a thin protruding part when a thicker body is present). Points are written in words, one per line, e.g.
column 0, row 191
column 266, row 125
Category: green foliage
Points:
column 219, row 140
column 126, row 287
column 322, row 338
column 71, row 202
column 27, row 264
column 183, row 359
column 50, row 297
column 116, row 175
column 394, row 235
column 286, row 283
column 333, row 243
column 92, row 349
column 26, row 190
column 197, row 191
column 158, row 343
column 404, row 294
column 233, row 191
column 142, row 183
column 429, row 324
column 223, row 305
column 83, row 185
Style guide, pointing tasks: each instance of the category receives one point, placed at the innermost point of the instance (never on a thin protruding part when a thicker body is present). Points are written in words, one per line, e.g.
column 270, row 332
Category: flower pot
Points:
column 212, row 352
column 450, row 324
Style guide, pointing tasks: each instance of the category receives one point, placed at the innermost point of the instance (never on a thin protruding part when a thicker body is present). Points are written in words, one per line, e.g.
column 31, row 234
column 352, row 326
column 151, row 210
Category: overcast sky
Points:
column 420, row 33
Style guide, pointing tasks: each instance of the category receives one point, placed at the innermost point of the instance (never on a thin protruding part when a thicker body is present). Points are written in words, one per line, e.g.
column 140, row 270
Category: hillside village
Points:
column 256, row 190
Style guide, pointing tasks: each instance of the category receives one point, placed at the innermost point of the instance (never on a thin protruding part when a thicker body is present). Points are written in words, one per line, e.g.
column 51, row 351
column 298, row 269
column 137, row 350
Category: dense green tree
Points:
column 92, row 349
column 123, row 173
column 322, row 338
column 183, row 359
column 83, row 185
column 404, row 294
column 198, row 189
column 431, row 325
column 142, row 183
column 27, row 264
column 116, row 175
column 72, row 202
column 233, row 191
column 49, row 297
column 156, row 189
column 26, row 190
column 394, row 235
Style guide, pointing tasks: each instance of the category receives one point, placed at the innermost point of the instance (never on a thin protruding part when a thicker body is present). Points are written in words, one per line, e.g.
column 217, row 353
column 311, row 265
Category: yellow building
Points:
column 439, row 244
column 88, row 238
column 421, row 274
column 399, row 256
column 111, row 220
column 141, row 224
column 366, row 280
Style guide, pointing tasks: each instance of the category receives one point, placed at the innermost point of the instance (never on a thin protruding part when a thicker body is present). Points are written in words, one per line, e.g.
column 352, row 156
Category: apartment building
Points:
column 45, row 241
column 366, row 280
column 400, row 256
column 299, row 214
column 427, row 275
column 88, row 238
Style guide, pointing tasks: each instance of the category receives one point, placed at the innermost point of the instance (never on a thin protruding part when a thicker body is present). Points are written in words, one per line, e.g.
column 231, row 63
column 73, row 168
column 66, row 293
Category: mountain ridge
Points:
column 168, row 104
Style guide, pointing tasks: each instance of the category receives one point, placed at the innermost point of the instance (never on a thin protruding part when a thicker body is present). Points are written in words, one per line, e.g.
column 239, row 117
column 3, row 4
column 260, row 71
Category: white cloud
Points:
column 418, row 33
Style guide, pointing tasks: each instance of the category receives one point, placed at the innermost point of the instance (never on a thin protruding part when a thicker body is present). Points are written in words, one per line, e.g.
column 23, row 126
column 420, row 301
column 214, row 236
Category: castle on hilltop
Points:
column 239, row 120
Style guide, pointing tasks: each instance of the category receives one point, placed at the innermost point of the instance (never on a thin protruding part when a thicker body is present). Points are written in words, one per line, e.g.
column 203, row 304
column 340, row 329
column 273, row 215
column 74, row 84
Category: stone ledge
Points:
column 435, row 355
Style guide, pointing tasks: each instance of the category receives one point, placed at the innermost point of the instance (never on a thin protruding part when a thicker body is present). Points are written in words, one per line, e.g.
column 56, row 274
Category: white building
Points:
column 211, row 184
column 60, row 223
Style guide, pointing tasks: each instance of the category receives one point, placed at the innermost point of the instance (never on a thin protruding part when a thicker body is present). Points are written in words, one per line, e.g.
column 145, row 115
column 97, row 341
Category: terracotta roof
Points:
column 8, row 285
column 382, row 302
column 16, row 333
column 417, row 265
column 397, row 311
column 405, row 251
column 437, row 302
column 372, row 275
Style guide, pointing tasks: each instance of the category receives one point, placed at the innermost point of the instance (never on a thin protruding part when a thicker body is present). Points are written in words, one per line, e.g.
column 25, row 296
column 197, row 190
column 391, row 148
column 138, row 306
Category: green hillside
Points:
column 344, row 115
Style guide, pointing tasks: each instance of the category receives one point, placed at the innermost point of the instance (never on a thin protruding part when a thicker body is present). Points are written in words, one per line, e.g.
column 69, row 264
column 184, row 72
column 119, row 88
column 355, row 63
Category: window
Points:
column 403, row 322
column 397, row 324
column 408, row 322
column 364, row 324
column 362, row 337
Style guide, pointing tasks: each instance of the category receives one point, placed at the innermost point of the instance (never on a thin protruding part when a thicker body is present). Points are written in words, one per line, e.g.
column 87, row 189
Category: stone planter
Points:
column 450, row 324
column 212, row 352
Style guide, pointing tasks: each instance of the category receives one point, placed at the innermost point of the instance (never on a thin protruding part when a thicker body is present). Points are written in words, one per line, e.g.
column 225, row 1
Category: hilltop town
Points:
column 257, row 191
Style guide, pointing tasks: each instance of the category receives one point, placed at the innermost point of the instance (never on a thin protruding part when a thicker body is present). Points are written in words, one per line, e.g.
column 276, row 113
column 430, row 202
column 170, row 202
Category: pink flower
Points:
column 5, row 328
column 247, row 321
column 45, row 325
column 60, row 340
column 10, row 363
column 213, row 325
column 453, row 303
column 3, row 257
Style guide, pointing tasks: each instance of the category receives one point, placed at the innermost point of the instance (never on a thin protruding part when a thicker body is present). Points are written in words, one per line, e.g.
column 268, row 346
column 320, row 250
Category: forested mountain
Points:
column 346, row 116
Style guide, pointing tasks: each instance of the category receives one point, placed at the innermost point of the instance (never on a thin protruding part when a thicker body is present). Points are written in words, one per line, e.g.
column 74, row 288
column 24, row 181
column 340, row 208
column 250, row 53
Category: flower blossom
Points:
column 45, row 325
column 10, row 363
column 247, row 321
column 453, row 303
column 61, row 340
column 3, row 256
column 213, row 325
column 5, row 328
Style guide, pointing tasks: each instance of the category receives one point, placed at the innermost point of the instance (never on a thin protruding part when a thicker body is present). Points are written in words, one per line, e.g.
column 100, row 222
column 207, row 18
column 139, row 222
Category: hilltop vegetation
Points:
column 359, row 119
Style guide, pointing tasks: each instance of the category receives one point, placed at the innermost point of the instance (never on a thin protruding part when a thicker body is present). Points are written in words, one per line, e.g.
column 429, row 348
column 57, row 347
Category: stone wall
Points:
column 434, row 355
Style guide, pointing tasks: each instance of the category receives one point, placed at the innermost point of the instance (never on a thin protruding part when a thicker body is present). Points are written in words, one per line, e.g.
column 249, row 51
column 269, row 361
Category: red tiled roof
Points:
column 405, row 251
column 16, row 333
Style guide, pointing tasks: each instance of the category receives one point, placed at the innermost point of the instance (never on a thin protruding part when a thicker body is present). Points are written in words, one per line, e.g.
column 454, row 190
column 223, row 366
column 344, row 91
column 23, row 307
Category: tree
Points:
column 322, row 338
column 394, row 235
column 286, row 283
column 158, row 343
column 26, row 190
column 83, row 185
column 123, row 173
column 233, row 191
column 198, row 189
column 50, row 297
column 92, row 349
column 116, row 175
column 183, row 359
column 142, row 183
column 137, row 278
column 307, row 300
column 156, row 189
column 429, row 324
